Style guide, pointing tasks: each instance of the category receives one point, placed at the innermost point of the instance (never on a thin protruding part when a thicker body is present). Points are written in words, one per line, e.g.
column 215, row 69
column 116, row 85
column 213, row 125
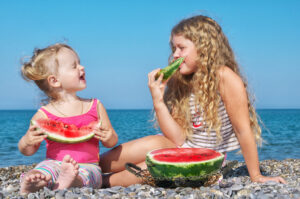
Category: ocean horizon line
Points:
column 145, row 109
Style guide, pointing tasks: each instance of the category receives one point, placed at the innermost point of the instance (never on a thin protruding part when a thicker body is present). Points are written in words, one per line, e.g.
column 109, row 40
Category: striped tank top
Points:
column 202, row 139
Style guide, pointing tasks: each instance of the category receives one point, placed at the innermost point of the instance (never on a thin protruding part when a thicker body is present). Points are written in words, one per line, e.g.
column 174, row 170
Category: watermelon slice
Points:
column 169, row 70
column 66, row 133
column 172, row 163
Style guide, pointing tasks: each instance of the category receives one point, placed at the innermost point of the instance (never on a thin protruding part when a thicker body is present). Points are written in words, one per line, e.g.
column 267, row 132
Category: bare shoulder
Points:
column 101, row 109
column 39, row 115
column 229, row 81
column 227, row 75
column 100, row 105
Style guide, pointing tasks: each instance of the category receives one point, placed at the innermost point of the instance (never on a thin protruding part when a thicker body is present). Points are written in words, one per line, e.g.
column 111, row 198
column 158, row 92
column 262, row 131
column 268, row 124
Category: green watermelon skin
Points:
column 69, row 141
column 169, row 70
column 62, row 139
column 159, row 169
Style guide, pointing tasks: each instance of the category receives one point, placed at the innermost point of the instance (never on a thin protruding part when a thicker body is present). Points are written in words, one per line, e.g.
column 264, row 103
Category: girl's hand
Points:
column 103, row 134
column 34, row 137
column 157, row 87
column 262, row 179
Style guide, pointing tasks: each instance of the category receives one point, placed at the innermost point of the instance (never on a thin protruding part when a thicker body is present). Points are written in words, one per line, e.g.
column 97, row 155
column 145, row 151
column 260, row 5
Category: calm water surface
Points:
column 282, row 138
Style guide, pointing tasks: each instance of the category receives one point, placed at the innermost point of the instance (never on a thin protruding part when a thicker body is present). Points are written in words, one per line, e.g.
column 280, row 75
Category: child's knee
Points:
column 159, row 141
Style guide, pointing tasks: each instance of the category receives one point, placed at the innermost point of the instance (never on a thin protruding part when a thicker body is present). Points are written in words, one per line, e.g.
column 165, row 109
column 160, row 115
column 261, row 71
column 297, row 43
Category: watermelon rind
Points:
column 170, row 69
column 58, row 138
column 167, row 170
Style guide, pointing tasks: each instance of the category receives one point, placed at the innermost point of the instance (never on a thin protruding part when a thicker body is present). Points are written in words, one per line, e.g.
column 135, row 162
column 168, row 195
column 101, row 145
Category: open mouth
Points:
column 82, row 77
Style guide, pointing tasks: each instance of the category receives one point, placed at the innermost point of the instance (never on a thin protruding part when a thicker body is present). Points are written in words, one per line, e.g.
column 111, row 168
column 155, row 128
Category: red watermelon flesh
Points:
column 66, row 133
column 184, row 155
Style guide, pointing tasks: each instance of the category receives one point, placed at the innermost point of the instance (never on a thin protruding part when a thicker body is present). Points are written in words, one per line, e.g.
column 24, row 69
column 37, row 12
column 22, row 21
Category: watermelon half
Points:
column 191, row 163
column 66, row 133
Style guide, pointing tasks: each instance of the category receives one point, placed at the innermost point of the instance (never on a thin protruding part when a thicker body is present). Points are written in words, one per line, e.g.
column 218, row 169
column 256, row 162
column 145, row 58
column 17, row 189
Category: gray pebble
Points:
column 116, row 188
column 70, row 195
column 10, row 188
column 236, row 187
column 60, row 195
column 84, row 197
column 31, row 196
column 112, row 191
column 41, row 195
column 225, row 184
column 127, row 190
column 106, row 192
column 252, row 196
column 87, row 190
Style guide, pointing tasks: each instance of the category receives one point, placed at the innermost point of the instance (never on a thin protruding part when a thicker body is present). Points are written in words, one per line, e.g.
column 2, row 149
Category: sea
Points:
column 281, row 133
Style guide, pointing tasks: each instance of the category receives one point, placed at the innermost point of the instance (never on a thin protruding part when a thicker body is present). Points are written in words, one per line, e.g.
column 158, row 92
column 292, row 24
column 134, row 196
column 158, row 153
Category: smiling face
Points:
column 183, row 47
column 71, row 74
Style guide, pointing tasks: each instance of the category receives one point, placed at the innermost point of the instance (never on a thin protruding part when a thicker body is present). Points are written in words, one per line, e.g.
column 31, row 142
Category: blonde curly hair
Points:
column 213, row 51
column 42, row 64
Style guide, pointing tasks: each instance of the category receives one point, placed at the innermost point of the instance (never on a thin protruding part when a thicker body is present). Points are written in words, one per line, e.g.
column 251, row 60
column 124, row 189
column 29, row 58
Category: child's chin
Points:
column 82, row 87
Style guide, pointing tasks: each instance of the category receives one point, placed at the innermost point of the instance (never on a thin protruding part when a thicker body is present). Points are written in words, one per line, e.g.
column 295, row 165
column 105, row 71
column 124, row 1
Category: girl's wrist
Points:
column 158, row 104
column 255, row 178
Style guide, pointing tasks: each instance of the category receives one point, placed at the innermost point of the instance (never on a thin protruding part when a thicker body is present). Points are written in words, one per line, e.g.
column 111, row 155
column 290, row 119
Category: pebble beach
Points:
column 236, row 183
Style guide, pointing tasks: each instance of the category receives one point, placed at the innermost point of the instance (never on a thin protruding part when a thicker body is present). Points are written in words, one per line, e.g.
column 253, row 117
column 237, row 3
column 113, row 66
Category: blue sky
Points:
column 120, row 42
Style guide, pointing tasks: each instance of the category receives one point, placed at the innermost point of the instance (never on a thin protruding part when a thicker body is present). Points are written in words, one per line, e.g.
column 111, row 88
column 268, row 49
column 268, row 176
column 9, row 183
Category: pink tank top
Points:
column 84, row 152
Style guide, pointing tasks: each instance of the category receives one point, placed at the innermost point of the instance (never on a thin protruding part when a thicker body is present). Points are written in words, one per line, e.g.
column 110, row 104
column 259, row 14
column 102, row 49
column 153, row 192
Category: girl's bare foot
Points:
column 68, row 173
column 33, row 181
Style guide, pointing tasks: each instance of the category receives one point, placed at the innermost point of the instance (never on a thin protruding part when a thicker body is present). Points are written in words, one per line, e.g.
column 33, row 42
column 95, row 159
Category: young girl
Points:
column 204, row 105
column 56, row 70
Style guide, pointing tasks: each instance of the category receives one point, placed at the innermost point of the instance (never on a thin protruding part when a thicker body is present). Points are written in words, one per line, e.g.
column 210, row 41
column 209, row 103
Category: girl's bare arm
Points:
column 31, row 141
column 234, row 95
column 107, row 134
column 170, row 128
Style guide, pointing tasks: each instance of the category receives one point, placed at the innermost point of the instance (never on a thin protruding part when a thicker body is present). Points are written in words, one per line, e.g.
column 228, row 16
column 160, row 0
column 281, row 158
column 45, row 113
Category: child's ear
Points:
column 53, row 81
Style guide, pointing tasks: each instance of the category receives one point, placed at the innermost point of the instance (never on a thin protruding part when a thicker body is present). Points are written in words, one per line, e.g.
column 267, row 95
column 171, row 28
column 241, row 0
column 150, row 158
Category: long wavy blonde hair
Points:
column 213, row 51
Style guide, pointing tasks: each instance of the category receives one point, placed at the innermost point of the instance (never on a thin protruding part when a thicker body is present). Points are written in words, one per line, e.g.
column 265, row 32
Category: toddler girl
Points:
column 57, row 71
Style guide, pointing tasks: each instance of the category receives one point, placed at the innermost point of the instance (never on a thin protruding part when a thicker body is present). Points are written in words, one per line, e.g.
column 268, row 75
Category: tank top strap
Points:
column 48, row 114
column 94, row 109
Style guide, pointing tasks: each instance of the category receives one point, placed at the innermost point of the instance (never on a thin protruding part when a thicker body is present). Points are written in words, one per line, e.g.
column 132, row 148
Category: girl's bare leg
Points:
column 134, row 152
column 122, row 178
